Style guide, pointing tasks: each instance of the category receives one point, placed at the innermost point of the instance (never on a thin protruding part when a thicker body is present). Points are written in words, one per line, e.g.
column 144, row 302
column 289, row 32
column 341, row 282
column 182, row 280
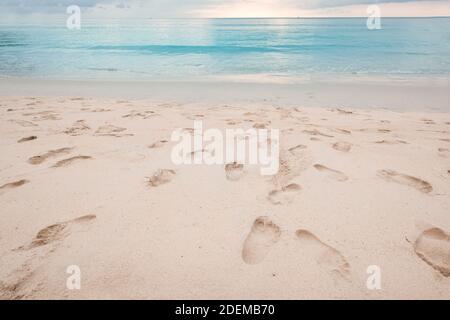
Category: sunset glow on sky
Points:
column 224, row 8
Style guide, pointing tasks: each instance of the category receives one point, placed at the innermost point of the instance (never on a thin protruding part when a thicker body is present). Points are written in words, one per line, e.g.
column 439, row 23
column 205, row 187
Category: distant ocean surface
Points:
column 157, row 49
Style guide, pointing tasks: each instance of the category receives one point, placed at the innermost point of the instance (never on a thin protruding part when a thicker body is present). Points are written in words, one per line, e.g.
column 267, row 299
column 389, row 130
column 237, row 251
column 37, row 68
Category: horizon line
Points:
column 293, row 17
column 281, row 17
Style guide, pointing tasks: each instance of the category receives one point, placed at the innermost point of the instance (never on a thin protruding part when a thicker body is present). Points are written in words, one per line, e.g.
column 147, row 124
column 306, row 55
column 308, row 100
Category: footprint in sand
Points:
column 316, row 132
column 297, row 149
column 24, row 123
column 291, row 164
column 197, row 153
column 428, row 121
column 50, row 154
column 260, row 126
column 160, row 177
column 287, row 130
column 433, row 247
column 391, row 142
column 232, row 122
column 342, row 111
column 234, row 171
column 140, row 114
column 194, row 116
column 416, row 183
column 21, row 282
column 343, row 131
column 285, row 195
column 69, row 161
column 30, row 138
column 78, row 128
column 342, row 146
column 15, row 184
column 100, row 110
column 263, row 235
column 285, row 113
column 110, row 130
column 158, row 144
column 55, row 232
column 191, row 131
column 331, row 173
column 44, row 115
column 325, row 255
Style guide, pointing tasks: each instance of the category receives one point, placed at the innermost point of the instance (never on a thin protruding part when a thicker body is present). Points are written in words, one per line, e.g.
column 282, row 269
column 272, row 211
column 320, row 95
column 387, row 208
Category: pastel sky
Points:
column 10, row 9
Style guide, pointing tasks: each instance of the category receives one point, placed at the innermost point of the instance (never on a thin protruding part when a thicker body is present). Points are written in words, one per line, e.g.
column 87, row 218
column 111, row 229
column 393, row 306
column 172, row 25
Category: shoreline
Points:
column 423, row 94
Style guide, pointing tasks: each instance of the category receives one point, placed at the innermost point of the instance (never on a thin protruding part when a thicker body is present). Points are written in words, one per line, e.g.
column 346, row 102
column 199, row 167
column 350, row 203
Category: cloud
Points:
column 219, row 8
column 308, row 4
column 45, row 4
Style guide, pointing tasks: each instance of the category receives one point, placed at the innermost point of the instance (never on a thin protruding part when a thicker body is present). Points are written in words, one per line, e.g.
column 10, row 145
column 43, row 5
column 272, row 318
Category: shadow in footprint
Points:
column 15, row 184
column 331, row 173
column 285, row 195
column 316, row 132
column 342, row 111
column 112, row 131
column 400, row 178
column 67, row 162
column 433, row 247
column 263, row 235
column 158, row 144
column 30, row 138
column 297, row 150
column 50, row 154
column 342, row 146
column 325, row 255
column 391, row 142
column 160, row 177
column 234, row 171
column 343, row 131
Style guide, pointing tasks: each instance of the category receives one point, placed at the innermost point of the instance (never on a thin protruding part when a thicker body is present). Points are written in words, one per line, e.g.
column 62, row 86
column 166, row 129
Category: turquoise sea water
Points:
column 191, row 48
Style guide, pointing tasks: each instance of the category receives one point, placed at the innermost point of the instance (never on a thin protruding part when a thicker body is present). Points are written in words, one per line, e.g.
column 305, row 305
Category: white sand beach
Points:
column 87, row 180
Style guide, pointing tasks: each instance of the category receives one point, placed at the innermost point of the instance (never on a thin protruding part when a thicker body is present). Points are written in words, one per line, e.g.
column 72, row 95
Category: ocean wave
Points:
column 179, row 49
column 104, row 69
